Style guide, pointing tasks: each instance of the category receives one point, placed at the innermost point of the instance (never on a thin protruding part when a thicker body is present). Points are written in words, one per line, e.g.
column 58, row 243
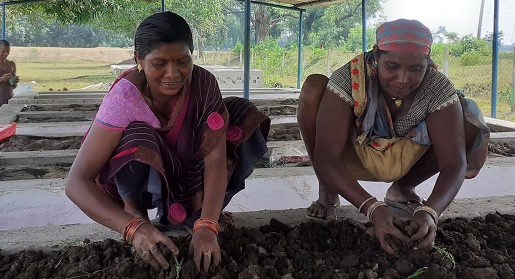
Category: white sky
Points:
column 461, row 16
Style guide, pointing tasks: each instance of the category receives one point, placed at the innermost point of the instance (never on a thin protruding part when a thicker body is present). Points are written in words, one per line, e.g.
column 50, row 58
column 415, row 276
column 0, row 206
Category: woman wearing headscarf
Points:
column 164, row 138
column 389, row 115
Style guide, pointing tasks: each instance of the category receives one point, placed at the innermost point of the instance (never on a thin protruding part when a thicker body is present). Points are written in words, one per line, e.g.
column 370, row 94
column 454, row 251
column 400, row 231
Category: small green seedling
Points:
column 447, row 255
column 178, row 266
column 418, row 272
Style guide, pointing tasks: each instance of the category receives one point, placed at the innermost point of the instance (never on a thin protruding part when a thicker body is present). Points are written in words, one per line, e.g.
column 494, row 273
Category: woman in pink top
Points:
column 164, row 138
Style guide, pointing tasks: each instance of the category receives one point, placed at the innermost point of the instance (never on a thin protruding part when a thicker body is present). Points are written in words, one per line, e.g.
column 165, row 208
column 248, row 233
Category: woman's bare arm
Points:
column 448, row 137
column 215, row 181
column 81, row 188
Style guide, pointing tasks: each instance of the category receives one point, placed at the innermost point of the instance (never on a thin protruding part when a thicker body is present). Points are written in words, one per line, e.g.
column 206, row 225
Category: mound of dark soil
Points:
column 25, row 172
column 71, row 107
column 29, row 119
column 35, row 143
column 477, row 248
column 284, row 132
column 271, row 102
column 278, row 110
column 503, row 148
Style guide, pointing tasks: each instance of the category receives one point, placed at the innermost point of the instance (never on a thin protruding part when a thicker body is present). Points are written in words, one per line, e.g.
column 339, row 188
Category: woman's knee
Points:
column 313, row 88
column 471, row 133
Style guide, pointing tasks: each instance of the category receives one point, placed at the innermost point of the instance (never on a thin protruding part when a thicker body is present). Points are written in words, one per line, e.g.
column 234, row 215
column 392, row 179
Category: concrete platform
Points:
column 36, row 203
column 37, row 213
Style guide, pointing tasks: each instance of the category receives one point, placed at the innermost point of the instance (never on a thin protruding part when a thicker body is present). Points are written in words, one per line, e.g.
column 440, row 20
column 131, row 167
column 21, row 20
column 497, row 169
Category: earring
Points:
column 373, row 70
column 140, row 68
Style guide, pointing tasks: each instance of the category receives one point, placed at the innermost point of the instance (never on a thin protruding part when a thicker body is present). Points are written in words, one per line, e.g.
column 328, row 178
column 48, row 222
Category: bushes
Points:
column 473, row 58
column 268, row 56
column 469, row 44
column 477, row 90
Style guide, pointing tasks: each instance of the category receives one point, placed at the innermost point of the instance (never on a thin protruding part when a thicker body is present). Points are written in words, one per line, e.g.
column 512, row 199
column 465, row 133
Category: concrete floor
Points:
column 36, row 203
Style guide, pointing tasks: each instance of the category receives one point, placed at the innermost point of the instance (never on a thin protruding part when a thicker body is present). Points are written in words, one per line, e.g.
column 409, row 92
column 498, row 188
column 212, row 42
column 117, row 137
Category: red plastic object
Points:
column 7, row 131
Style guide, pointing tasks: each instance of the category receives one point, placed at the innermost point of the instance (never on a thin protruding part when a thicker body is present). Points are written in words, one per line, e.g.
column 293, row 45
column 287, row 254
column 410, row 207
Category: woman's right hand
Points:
column 145, row 242
column 205, row 248
column 385, row 223
column 6, row 77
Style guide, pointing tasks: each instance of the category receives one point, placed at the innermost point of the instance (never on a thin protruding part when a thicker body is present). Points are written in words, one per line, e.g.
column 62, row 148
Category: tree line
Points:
column 216, row 24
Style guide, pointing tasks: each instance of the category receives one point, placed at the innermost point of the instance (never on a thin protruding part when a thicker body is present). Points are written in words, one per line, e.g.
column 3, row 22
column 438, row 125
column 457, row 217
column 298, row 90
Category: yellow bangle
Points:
column 429, row 210
column 365, row 202
column 373, row 207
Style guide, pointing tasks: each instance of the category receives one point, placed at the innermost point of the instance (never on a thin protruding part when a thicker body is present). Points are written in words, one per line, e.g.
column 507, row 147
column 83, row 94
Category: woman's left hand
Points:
column 205, row 248
column 425, row 228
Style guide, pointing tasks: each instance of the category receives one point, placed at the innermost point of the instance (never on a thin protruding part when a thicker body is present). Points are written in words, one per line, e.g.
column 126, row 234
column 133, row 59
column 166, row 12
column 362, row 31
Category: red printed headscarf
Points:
column 404, row 35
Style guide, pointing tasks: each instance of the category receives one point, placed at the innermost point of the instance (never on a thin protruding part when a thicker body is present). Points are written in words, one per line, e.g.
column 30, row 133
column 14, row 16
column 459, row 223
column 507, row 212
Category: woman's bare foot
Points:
column 133, row 208
column 326, row 205
column 402, row 200
column 401, row 193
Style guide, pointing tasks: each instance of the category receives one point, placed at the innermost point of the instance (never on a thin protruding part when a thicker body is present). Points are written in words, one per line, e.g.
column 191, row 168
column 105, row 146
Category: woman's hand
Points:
column 425, row 228
column 385, row 224
column 204, row 247
column 6, row 77
column 146, row 240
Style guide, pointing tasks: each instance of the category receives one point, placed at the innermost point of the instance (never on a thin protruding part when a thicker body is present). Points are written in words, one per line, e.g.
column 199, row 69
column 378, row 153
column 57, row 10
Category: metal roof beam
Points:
column 7, row 3
column 274, row 5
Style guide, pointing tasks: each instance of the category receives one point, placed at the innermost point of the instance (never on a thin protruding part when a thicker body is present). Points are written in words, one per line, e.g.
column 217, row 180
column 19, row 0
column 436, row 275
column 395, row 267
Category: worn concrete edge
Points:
column 502, row 137
column 8, row 113
column 63, row 156
column 40, row 158
column 56, row 184
column 499, row 123
column 57, row 114
column 59, row 237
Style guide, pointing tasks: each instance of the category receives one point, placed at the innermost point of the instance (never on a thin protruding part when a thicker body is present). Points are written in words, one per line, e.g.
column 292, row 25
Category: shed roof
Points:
column 301, row 4
column 305, row 4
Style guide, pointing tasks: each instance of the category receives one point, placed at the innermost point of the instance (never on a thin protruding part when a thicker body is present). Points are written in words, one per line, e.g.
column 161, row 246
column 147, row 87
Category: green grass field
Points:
column 75, row 69
column 59, row 75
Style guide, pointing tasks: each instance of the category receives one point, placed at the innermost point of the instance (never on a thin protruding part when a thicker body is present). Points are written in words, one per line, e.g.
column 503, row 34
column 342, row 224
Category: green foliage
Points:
column 66, row 11
column 472, row 58
column 237, row 48
column 418, row 272
column 506, row 94
column 489, row 37
column 330, row 26
column 22, row 32
column 267, row 55
column 477, row 89
column 273, row 82
column 216, row 24
column 354, row 40
column 469, row 44
column 178, row 266
column 437, row 49
column 338, row 20
column 446, row 255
